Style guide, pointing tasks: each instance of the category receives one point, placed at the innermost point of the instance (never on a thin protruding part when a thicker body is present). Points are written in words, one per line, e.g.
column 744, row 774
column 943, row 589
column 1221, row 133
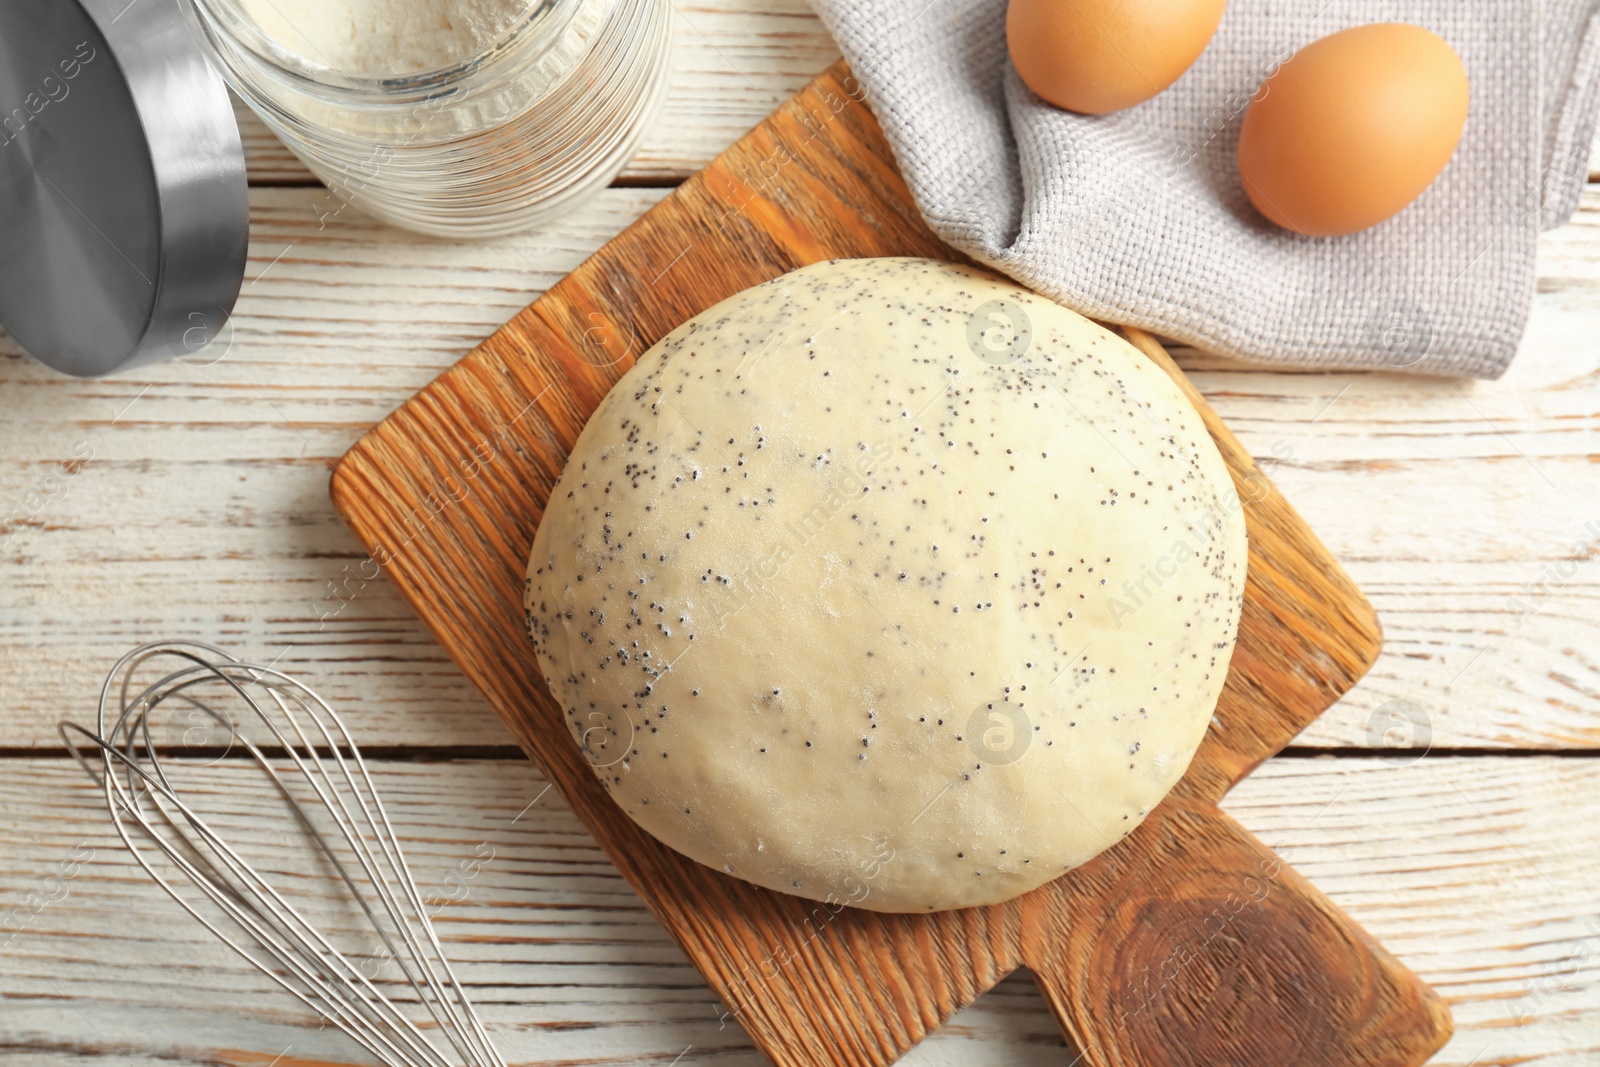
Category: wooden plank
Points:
column 1457, row 863
column 202, row 508
column 733, row 61
column 213, row 480
column 448, row 491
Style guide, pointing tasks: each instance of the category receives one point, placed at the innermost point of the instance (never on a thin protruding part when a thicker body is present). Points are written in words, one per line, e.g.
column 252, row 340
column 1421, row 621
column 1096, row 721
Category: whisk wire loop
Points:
column 311, row 750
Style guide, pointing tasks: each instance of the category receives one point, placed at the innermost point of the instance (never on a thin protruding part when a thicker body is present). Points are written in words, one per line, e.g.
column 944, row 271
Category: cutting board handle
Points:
column 1234, row 958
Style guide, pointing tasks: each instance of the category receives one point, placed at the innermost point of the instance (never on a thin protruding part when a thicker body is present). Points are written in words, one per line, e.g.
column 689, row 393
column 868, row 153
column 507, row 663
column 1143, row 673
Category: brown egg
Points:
column 1353, row 128
column 1095, row 56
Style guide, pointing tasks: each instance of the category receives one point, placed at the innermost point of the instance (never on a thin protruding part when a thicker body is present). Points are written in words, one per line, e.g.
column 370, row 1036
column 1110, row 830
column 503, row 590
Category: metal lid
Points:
column 124, row 213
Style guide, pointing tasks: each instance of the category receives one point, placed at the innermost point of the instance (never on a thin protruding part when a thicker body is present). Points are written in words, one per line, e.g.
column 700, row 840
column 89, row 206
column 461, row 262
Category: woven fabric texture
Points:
column 1139, row 217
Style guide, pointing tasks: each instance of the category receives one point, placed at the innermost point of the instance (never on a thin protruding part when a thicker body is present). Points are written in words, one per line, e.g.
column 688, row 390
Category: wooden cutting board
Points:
column 1188, row 943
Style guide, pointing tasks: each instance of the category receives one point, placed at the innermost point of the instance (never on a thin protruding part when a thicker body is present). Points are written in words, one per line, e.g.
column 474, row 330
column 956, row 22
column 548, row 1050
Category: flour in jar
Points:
column 385, row 38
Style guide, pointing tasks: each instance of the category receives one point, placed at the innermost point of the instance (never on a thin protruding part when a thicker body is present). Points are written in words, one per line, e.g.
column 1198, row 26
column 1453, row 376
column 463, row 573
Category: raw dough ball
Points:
column 889, row 582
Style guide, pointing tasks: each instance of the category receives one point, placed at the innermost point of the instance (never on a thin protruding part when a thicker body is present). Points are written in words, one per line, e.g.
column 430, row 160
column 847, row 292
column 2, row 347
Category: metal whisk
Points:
column 310, row 764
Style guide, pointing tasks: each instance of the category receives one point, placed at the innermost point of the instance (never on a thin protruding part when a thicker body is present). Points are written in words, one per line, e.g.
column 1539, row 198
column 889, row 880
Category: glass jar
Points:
column 501, row 141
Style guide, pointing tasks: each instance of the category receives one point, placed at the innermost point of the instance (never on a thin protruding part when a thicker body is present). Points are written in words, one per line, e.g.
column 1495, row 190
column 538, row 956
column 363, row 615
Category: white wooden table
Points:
column 1470, row 513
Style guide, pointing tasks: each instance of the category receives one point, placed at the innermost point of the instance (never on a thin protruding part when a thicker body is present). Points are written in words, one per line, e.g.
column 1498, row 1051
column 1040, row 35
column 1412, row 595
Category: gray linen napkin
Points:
column 1139, row 217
